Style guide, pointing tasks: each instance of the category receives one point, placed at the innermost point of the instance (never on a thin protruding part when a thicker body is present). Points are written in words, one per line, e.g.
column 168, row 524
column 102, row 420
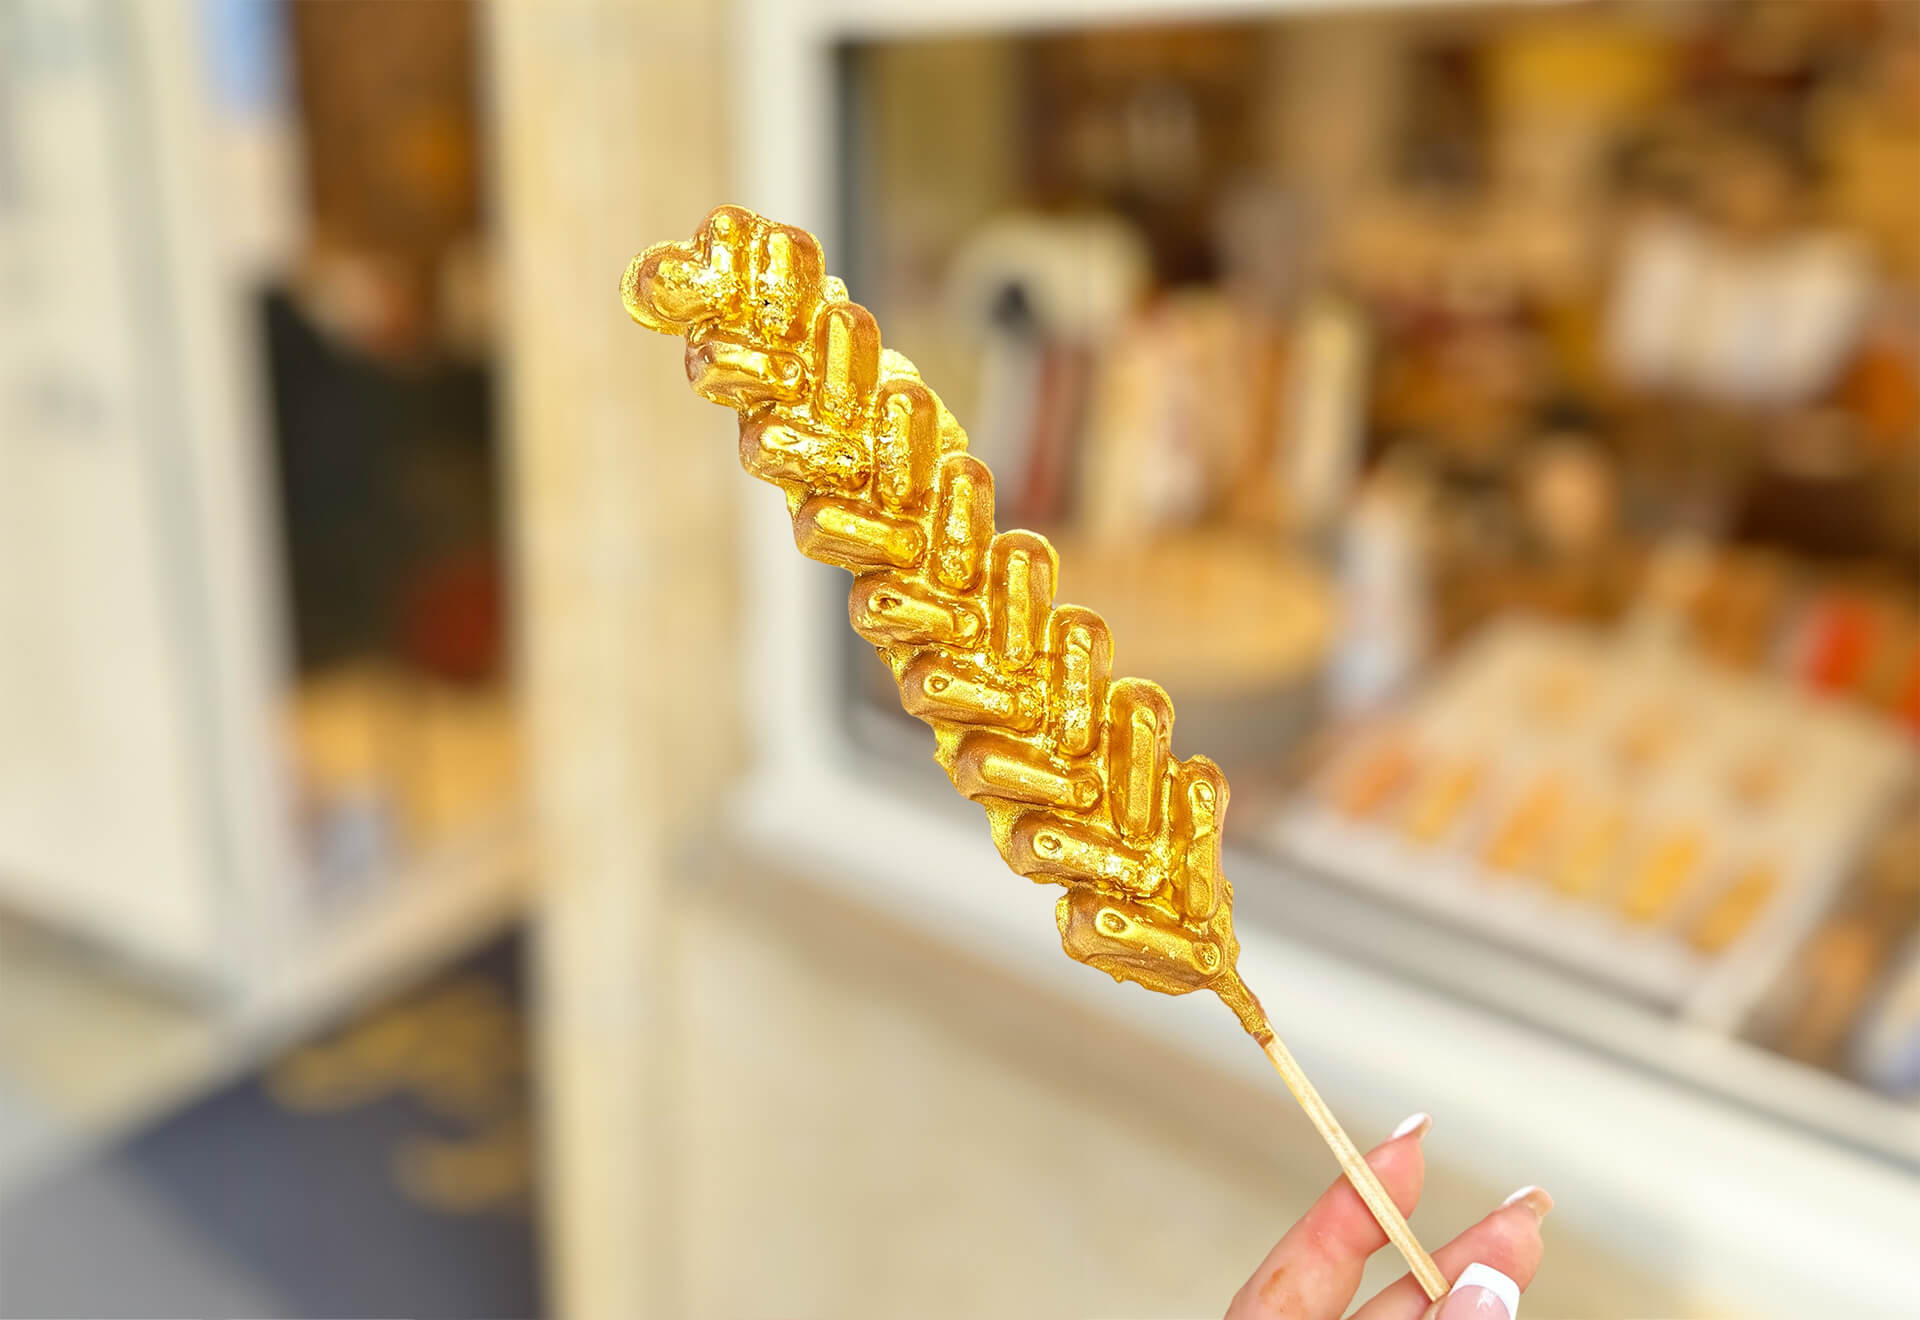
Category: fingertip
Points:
column 1511, row 1242
column 1534, row 1197
column 1315, row 1268
column 1342, row 1216
column 1506, row 1240
column 1413, row 1125
column 1480, row 1293
column 1401, row 1162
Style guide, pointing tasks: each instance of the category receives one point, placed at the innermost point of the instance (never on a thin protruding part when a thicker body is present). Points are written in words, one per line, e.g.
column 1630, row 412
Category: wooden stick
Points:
column 1365, row 1181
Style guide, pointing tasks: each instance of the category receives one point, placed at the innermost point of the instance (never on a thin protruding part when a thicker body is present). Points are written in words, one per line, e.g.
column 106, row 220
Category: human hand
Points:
column 1313, row 1272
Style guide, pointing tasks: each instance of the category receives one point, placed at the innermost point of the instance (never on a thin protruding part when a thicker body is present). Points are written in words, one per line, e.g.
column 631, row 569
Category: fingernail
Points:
column 1532, row 1196
column 1482, row 1293
column 1412, row 1123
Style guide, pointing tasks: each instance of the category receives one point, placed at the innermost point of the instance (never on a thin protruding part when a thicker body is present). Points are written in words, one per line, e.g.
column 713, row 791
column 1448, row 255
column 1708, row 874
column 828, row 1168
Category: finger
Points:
column 1508, row 1240
column 1314, row 1270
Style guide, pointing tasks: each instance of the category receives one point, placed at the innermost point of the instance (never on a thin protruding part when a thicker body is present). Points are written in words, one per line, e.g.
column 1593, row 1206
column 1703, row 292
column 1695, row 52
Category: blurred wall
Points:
column 609, row 137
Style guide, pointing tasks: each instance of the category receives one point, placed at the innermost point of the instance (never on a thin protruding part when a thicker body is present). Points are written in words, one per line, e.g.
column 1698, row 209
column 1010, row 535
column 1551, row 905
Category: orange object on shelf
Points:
column 1382, row 773
column 1841, row 640
column 1521, row 837
column 1908, row 707
column 1733, row 909
column 1447, row 791
column 1589, row 858
column 1663, row 876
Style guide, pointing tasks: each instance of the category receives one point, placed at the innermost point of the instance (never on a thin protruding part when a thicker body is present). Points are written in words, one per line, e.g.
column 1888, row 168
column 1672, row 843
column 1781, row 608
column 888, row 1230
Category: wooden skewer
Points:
column 1365, row 1181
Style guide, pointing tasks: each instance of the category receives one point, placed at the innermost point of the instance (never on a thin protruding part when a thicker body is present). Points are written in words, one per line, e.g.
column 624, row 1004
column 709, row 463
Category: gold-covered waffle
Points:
column 1074, row 766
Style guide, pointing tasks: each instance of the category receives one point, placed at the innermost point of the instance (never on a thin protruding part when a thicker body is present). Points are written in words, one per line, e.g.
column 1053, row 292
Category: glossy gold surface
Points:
column 1074, row 767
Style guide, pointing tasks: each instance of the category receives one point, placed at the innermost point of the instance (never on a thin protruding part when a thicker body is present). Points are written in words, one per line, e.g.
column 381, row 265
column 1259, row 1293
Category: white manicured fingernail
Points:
column 1482, row 1293
column 1412, row 1123
column 1534, row 1197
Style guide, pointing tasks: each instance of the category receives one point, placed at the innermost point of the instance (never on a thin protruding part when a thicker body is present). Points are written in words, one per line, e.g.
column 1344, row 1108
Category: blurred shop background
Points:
column 454, row 859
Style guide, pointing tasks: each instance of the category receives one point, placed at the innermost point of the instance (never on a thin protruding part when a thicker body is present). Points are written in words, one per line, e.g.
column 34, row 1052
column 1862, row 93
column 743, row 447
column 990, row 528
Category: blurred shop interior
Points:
column 261, row 765
column 1497, row 426
column 1498, row 433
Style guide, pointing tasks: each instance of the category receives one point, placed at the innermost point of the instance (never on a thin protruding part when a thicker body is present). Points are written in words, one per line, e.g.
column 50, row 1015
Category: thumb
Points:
column 1480, row 1293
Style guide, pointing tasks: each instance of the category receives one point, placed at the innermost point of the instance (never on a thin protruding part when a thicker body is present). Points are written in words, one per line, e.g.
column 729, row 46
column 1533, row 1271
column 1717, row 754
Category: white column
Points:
column 609, row 135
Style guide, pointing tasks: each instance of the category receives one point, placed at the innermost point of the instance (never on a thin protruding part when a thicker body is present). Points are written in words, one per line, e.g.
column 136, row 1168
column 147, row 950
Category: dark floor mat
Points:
column 381, row 1170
